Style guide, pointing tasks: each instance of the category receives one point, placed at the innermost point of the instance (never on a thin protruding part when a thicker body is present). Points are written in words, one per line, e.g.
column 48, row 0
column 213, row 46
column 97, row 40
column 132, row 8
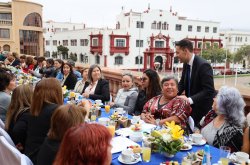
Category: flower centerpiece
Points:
column 167, row 140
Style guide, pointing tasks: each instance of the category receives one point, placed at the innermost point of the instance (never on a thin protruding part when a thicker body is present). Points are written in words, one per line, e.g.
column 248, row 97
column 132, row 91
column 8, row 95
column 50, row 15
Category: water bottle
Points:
column 206, row 156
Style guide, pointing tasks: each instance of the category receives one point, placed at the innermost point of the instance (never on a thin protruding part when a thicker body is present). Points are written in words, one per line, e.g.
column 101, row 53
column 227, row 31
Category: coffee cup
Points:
column 242, row 156
column 119, row 110
column 127, row 155
column 196, row 138
column 98, row 102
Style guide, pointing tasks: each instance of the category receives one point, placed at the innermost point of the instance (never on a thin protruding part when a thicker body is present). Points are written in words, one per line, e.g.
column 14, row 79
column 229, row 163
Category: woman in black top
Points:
column 18, row 113
column 151, row 87
column 69, row 78
column 98, row 88
column 46, row 98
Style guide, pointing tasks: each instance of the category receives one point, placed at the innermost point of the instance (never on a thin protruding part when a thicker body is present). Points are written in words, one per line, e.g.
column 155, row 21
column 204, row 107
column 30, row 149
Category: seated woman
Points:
column 167, row 106
column 29, row 65
column 81, row 84
column 98, row 87
column 48, row 70
column 226, row 128
column 18, row 114
column 46, row 98
column 63, row 118
column 58, row 63
column 151, row 87
column 69, row 78
column 85, row 144
column 126, row 97
column 7, row 85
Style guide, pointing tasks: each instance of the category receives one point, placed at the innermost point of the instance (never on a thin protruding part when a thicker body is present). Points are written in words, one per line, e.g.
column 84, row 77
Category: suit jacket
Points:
column 101, row 91
column 70, row 81
column 201, row 87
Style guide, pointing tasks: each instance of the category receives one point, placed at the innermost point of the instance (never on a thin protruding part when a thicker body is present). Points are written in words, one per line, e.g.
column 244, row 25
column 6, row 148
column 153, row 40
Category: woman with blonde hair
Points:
column 46, row 98
column 62, row 119
column 18, row 113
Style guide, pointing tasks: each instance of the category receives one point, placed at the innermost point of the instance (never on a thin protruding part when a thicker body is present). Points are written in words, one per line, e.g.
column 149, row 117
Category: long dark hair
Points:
column 154, row 87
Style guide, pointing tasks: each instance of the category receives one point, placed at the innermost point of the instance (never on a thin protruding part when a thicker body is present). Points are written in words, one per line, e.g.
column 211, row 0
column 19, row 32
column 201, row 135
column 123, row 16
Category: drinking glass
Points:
column 107, row 109
column 146, row 152
column 224, row 154
column 94, row 115
column 111, row 128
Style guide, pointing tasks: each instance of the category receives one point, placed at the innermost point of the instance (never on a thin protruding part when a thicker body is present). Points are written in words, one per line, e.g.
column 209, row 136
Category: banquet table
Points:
column 157, row 158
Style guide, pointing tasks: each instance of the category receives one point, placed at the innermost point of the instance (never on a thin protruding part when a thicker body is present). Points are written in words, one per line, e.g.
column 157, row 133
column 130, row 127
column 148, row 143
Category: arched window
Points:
column 138, row 60
column 6, row 48
column 118, row 60
column 33, row 19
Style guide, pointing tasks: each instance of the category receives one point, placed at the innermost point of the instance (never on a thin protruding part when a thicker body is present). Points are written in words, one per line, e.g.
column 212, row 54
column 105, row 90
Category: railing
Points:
column 115, row 75
column 5, row 22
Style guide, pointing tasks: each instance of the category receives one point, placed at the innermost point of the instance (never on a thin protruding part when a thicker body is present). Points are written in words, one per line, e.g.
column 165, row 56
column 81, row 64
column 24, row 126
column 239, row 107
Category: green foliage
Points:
column 63, row 50
column 243, row 52
column 54, row 54
column 216, row 54
column 73, row 56
column 171, row 147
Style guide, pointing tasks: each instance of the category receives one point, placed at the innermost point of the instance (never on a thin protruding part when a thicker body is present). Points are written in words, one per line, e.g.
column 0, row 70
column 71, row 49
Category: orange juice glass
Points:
column 107, row 109
column 146, row 154
column 111, row 129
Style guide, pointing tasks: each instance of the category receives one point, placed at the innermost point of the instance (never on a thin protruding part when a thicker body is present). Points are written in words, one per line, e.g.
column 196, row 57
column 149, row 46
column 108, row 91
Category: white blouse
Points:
column 91, row 88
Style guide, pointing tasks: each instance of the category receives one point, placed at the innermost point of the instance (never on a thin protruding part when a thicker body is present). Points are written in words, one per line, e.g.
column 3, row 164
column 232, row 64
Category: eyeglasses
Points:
column 143, row 79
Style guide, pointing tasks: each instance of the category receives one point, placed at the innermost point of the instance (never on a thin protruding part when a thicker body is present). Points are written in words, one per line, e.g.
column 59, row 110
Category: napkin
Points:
column 120, row 143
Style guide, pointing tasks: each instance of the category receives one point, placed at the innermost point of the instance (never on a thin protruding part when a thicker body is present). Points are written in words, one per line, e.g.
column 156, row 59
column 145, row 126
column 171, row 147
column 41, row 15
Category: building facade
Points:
column 139, row 40
column 21, row 27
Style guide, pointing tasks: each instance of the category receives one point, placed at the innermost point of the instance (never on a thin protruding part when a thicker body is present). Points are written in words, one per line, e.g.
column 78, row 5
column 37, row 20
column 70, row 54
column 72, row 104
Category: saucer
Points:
column 203, row 142
column 134, row 162
column 186, row 147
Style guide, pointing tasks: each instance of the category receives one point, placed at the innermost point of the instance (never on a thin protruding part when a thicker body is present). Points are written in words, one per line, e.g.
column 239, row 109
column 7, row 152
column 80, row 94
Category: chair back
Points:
column 2, row 125
column 7, row 137
column 10, row 155
column 191, row 123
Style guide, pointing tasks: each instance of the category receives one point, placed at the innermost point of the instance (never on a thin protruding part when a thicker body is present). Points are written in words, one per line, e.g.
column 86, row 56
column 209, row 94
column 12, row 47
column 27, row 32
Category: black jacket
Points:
column 70, row 81
column 38, row 127
column 17, row 130
column 101, row 91
column 201, row 87
column 48, row 151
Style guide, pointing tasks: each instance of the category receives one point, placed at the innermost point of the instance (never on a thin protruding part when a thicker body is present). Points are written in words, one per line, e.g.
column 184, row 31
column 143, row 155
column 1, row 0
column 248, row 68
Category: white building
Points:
column 234, row 39
column 138, row 41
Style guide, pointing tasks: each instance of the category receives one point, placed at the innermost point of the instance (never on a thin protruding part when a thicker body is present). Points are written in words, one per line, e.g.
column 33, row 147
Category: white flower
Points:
column 166, row 138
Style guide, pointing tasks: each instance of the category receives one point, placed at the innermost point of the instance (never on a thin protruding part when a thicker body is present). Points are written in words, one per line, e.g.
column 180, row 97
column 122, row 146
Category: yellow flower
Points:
column 170, row 125
column 177, row 133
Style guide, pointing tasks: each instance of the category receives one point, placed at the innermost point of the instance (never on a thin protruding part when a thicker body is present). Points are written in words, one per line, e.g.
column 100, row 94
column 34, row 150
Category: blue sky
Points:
column 102, row 13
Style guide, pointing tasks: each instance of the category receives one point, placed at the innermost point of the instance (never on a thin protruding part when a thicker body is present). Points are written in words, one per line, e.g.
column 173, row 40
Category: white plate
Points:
column 134, row 162
column 186, row 149
column 203, row 142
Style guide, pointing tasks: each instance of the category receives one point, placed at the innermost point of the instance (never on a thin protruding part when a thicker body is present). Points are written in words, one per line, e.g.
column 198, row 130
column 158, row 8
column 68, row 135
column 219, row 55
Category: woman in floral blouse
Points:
column 167, row 107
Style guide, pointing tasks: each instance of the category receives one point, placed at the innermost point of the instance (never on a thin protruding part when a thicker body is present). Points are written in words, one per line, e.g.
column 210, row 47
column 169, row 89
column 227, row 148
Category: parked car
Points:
column 216, row 72
column 243, row 71
column 228, row 72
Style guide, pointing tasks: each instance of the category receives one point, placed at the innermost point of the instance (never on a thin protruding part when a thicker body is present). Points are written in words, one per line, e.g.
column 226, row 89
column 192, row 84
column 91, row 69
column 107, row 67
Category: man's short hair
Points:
column 185, row 43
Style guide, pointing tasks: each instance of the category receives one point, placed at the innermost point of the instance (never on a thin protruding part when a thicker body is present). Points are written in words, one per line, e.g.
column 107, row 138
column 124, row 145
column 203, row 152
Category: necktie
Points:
column 188, row 80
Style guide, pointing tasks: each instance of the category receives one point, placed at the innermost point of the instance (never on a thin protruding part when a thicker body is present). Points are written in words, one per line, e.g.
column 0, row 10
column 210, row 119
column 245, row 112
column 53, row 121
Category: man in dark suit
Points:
column 196, row 80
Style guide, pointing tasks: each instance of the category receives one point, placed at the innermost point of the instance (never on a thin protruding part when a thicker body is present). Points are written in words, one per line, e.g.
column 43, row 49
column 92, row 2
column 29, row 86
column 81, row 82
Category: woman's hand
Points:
column 149, row 119
column 86, row 95
column 111, row 104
